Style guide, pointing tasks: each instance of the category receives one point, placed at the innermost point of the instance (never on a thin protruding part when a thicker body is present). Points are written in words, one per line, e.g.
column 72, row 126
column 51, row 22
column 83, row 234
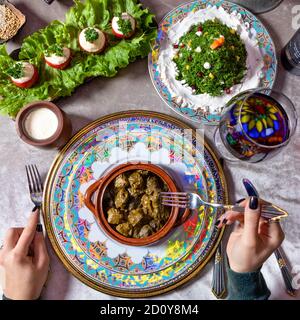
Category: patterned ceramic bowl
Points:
column 94, row 201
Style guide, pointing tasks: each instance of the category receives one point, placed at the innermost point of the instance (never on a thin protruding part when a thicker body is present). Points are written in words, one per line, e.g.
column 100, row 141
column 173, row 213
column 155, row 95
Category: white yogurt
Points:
column 168, row 70
column 41, row 123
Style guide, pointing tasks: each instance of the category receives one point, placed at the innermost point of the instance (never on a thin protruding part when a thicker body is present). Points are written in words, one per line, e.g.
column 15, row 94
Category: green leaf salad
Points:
column 54, row 83
column 210, row 58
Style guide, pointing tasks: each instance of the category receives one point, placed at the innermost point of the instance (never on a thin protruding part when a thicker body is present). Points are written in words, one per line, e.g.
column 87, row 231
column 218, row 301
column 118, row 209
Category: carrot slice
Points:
column 217, row 43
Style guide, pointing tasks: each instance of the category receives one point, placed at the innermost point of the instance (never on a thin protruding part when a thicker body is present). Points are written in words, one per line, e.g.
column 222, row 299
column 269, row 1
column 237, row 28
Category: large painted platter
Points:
column 84, row 248
column 261, row 57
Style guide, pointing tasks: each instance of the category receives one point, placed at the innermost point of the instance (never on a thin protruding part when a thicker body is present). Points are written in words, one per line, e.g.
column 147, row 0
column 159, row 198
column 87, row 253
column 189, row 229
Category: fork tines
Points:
column 34, row 179
column 175, row 199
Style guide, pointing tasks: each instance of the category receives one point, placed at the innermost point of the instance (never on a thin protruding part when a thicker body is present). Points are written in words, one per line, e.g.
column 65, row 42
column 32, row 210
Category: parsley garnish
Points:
column 56, row 50
column 16, row 71
column 91, row 35
column 124, row 25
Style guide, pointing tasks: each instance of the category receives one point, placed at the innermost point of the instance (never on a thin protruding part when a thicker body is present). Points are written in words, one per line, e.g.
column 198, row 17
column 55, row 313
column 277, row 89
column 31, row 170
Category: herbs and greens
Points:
column 54, row 83
column 56, row 50
column 91, row 34
column 210, row 58
column 124, row 25
column 16, row 70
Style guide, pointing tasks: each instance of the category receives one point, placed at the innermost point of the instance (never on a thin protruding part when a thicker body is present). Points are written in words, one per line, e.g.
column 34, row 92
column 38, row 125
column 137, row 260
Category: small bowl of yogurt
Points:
column 43, row 124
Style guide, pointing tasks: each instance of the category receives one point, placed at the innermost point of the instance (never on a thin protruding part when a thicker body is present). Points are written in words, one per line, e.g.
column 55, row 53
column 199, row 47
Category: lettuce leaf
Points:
column 55, row 83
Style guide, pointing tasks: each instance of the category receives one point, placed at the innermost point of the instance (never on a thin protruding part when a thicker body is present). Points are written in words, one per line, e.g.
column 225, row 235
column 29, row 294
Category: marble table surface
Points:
column 277, row 180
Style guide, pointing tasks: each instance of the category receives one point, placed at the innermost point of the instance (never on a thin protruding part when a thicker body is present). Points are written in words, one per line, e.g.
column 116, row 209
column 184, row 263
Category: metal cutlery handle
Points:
column 268, row 211
column 218, row 286
column 286, row 274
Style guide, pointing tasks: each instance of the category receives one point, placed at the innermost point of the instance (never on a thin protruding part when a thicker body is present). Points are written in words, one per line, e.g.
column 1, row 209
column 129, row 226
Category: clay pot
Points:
column 97, row 190
column 58, row 139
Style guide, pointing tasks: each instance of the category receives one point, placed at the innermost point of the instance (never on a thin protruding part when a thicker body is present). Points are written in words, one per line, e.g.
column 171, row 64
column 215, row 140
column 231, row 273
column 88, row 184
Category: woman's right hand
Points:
column 25, row 261
column 253, row 238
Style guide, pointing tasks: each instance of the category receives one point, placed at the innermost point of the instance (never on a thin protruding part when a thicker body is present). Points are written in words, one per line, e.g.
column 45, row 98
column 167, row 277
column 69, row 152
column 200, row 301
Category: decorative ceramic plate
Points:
column 261, row 57
column 79, row 241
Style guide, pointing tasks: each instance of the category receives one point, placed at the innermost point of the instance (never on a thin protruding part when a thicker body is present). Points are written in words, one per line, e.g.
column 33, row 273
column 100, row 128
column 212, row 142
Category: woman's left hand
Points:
column 25, row 261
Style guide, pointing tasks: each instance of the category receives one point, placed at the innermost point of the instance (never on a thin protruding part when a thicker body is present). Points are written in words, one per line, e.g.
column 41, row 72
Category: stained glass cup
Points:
column 255, row 125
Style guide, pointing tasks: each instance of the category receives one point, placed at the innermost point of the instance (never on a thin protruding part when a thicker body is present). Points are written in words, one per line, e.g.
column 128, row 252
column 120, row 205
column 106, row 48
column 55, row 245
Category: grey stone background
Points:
column 278, row 180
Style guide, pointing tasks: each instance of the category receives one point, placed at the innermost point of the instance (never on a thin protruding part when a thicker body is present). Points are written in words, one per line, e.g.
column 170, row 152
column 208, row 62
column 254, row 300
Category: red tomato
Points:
column 59, row 66
column 118, row 35
column 30, row 82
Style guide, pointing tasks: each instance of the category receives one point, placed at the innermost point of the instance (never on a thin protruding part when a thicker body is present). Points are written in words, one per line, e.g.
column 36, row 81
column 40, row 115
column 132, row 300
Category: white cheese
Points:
column 94, row 46
column 198, row 49
column 207, row 65
column 57, row 60
column 28, row 70
column 41, row 123
column 199, row 33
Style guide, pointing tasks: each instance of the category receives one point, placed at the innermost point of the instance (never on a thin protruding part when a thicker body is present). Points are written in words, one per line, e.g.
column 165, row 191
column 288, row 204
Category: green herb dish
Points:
column 54, row 83
column 210, row 58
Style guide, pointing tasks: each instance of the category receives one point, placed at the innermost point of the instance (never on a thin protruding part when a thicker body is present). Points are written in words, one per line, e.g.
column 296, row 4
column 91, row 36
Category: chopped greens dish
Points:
column 54, row 83
column 210, row 58
column 91, row 35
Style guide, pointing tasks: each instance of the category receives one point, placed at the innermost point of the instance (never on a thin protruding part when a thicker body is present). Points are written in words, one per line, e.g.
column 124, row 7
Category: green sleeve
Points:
column 247, row 286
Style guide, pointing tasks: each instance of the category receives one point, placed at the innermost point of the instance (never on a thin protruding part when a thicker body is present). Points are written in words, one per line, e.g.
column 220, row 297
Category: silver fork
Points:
column 35, row 187
column 194, row 201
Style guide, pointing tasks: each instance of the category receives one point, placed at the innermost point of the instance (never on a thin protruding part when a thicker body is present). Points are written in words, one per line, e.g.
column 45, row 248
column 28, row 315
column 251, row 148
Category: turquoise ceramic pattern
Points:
column 72, row 231
column 263, row 37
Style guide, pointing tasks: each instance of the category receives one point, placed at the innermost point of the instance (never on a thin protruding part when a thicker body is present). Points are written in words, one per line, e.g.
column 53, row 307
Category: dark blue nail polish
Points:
column 225, row 221
column 217, row 222
column 241, row 200
column 39, row 228
column 253, row 204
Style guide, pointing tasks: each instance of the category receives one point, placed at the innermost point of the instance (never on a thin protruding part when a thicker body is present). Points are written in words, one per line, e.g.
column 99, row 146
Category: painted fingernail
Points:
column 217, row 222
column 253, row 204
column 241, row 200
column 39, row 228
column 225, row 221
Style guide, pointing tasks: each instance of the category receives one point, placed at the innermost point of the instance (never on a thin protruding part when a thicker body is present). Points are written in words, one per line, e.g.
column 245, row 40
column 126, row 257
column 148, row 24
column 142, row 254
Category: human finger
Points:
column 28, row 233
column 276, row 233
column 11, row 238
column 40, row 254
column 229, row 218
column 251, row 220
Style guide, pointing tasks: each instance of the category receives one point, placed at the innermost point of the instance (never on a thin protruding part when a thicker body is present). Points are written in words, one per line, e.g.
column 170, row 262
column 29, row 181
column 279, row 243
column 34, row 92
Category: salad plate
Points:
column 197, row 81
column 86, row 250
column 60, row 62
